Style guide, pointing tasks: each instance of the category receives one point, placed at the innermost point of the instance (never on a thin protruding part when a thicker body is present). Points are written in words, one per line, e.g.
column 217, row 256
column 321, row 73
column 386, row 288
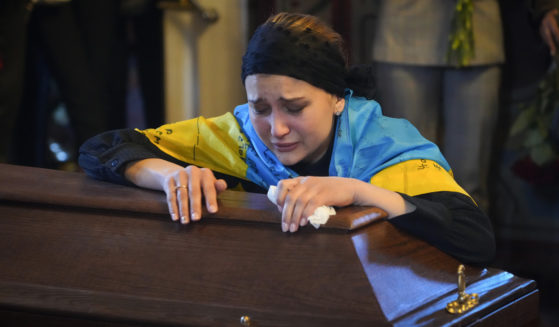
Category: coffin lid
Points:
column 234, row 263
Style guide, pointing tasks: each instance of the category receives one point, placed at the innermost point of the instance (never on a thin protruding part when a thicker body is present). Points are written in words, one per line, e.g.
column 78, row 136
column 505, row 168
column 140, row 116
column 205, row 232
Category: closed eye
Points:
column 295, row 109
column 295, row 106
column 260, row 110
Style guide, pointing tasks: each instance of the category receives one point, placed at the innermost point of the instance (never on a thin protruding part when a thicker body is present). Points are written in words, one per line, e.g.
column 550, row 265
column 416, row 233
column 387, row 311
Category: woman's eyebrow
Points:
column 292, row 99
column 282, row 99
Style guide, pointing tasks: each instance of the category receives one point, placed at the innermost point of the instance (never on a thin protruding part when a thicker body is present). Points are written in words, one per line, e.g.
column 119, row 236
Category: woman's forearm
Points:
column 150, row 173
column 393, row 203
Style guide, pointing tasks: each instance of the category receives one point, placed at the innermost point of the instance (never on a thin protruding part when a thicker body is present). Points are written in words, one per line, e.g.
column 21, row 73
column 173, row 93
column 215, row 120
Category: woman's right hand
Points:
column 186, row 187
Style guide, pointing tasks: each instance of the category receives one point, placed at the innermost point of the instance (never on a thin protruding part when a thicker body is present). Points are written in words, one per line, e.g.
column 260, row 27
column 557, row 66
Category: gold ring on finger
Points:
column 181, row 186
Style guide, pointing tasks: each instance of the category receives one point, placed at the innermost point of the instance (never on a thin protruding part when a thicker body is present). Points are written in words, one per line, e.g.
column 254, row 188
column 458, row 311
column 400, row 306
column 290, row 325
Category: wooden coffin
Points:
column 76, row 251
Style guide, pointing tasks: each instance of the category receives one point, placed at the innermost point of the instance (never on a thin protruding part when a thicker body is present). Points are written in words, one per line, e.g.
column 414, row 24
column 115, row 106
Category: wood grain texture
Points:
column 76, row 189
column 97, row 252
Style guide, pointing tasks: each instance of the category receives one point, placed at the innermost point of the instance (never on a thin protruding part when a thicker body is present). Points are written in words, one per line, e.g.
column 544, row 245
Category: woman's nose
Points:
column 279, row 125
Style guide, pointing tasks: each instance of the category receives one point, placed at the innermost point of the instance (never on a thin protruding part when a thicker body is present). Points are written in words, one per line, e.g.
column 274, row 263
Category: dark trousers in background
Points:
column 77, row 55
column 13, row 29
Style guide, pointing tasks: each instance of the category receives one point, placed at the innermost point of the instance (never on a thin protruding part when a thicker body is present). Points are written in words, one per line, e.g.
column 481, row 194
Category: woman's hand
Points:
column 298, row 198
column 185, row 188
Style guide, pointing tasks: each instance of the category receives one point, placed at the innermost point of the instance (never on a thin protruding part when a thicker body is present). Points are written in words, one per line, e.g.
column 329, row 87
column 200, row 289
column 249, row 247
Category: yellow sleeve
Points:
column 215, row 143
column 415, row 177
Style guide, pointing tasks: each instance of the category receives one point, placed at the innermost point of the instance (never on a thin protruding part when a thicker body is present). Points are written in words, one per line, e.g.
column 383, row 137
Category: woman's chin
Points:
column 288, row 159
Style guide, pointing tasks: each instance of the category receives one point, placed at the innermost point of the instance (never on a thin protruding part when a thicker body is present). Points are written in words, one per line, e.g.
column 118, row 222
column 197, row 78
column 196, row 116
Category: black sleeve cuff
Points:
column 106, row 155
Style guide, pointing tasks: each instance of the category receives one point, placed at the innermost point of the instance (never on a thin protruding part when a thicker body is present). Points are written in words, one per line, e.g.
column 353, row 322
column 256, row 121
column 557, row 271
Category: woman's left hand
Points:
column 299, row 197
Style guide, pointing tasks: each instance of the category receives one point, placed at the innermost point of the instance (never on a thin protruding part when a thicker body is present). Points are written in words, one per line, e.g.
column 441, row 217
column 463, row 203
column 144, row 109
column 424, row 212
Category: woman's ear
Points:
column 339, row 106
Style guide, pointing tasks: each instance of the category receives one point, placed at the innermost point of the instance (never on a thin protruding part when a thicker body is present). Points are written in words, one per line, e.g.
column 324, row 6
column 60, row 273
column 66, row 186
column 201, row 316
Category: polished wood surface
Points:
column 75, row 189
column 76, row 249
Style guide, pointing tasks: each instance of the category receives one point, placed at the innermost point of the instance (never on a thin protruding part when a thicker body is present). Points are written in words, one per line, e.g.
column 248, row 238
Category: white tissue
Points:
column 320, row 215
column 273, row 194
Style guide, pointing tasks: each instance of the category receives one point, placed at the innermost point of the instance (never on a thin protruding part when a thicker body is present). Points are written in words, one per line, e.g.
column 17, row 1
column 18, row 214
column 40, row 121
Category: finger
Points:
column 182, row 197
column 172, row 199
column 314, row 202
column 195, row 192
column 286, row 211
column 285, row 208
column 209, row 189
column 308, row 206
column 304, row 208
column 220, row 185
column 297, row 213
column 283, row 187
column 292, row 208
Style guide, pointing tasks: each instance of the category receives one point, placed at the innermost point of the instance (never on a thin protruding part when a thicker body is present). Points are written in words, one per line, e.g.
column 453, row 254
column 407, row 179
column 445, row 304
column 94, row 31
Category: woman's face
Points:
column 292, row 117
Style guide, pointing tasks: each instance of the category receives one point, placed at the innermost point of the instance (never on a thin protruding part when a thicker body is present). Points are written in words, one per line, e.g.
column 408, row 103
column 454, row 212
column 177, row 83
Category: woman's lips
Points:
column 285, row 147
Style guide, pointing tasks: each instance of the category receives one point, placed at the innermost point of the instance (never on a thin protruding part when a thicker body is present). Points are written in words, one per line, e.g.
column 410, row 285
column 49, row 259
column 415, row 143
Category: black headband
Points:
column 301, row 55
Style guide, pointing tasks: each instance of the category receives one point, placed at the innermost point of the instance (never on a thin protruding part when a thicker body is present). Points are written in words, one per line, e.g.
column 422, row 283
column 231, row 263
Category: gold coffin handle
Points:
column 465, row 301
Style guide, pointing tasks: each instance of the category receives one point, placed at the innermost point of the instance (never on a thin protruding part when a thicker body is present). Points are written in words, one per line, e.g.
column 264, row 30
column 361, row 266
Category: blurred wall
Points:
column 203, row 60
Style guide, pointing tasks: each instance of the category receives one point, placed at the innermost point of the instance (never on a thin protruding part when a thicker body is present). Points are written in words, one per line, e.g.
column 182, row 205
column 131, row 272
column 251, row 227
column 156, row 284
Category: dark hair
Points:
column 301, row 23
column 303, row 47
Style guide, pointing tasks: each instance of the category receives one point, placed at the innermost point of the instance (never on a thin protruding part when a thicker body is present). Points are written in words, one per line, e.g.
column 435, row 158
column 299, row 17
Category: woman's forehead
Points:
column 274, row 79
column 265, row 85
